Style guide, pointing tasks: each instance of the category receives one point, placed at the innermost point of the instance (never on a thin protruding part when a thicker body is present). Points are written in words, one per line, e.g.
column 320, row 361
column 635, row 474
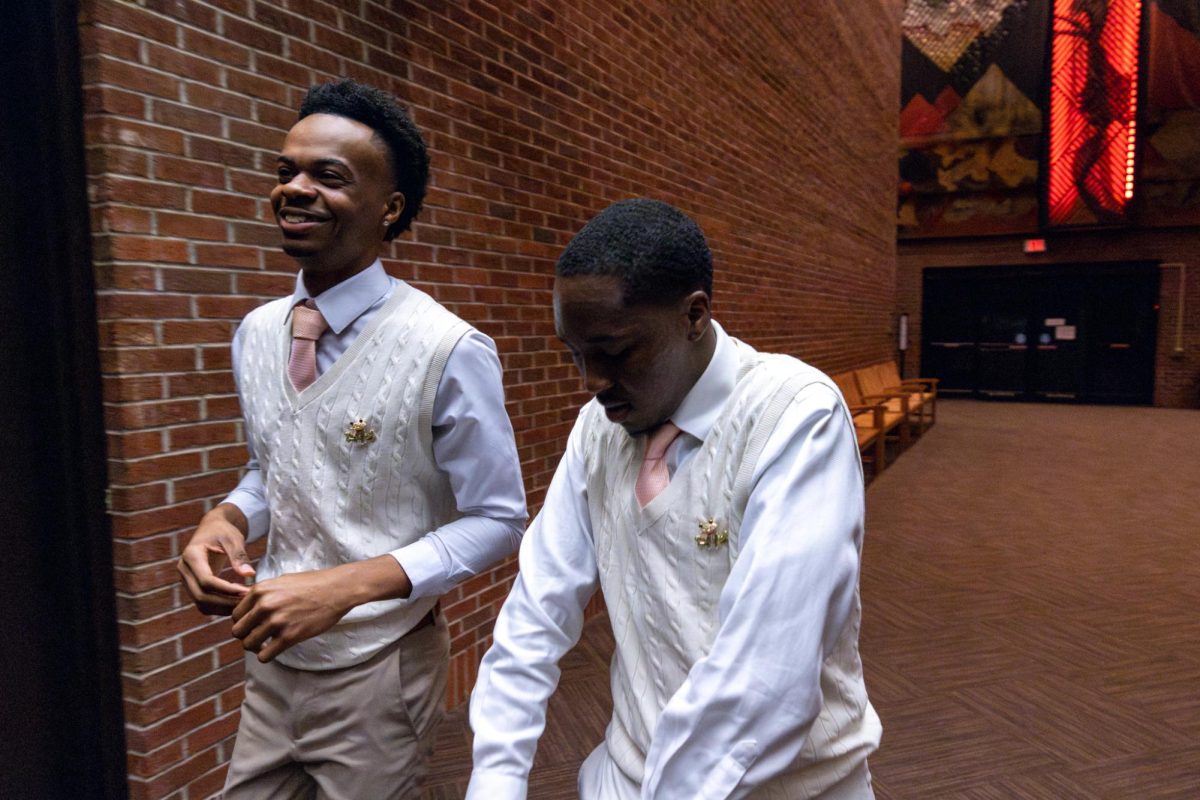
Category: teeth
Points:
column 298, row 218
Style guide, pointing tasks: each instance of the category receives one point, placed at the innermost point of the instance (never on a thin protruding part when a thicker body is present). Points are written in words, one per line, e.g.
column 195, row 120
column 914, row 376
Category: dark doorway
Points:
column 1075, row 332
column 60, row 698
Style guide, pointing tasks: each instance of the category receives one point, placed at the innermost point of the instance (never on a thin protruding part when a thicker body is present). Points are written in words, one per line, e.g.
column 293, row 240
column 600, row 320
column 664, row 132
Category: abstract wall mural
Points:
column 983, row 84
column 1169, row 181
column 971, row 123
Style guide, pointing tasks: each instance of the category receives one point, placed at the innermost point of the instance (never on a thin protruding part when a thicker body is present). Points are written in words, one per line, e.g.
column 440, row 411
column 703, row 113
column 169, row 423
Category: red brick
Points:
column 192, row 280
column 226, row 457
column 94, row 40
column 193, row 120
column 265, row 284
column 226, row 307
column 208, row 784
column 279, row 20
column 155, row 469
column 221, row 204
column 217, row 100
column 212, row 733
column 129, row 445
column 225, row 153
column 202, row 382
column 113, row 100
column 256, row 184
column 255, row 135
column 148, row 415
column 215, row 683
column 145, row 577
column 220, row 255
column 217, row 357
column 122, row 219
column 170, row 728
column 135, row 498
column 135, row 192
column 191, row 173
column 140, row 248
column 156, row 520
column 118, row 333
column 121, row 132
column 199, row 435
column 143, row 714
column 217, row 632
column 156, row 629
column 134, row 552
column 253, row 36
column 192, row 12
column 195, row 331
column 131, row 20
column 155, row 656
column 150, row 764
column 222, row 407
column 148, row 359
column 318, row 59
column 231, row 698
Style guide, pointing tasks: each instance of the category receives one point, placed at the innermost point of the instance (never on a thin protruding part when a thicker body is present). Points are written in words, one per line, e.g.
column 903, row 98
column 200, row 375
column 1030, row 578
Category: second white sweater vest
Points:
column 662, row 589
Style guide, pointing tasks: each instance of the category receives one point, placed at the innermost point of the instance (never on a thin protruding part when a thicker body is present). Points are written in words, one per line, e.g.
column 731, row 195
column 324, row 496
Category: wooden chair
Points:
column 925, row 387
column 871, row 423
column 873, row 383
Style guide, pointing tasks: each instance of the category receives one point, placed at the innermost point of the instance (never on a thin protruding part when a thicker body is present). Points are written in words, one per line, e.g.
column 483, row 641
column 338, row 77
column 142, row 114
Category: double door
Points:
column 1081, row 333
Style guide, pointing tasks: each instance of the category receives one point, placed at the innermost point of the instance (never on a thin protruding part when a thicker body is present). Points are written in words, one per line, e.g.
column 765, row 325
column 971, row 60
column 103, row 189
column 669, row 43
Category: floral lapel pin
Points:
column 710, row 537
column 359, row 433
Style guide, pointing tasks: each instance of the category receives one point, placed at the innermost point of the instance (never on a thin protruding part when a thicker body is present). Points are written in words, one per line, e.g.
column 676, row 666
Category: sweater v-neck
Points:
column 298, row 400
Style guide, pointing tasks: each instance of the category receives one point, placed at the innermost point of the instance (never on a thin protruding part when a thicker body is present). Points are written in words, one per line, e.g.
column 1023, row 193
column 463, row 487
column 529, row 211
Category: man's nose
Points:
column 299, row 188
column 595, row 380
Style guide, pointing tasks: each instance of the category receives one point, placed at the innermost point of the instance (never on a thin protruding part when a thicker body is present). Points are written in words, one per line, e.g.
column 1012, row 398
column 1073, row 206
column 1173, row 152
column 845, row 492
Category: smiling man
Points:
column 382, row 471
column 714, row 495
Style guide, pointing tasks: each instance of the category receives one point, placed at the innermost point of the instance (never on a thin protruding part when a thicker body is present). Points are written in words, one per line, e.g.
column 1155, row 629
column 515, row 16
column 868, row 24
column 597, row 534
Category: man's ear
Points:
column 394, row 208
column 699, row 313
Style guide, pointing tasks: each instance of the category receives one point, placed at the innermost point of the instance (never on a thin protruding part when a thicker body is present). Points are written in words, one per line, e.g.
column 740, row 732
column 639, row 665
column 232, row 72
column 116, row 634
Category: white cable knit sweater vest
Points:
column 334, row 501
column 662, row 590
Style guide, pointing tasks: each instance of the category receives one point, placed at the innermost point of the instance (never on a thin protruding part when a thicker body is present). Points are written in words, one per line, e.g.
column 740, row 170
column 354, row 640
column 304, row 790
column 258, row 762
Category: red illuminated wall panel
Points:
column 1093, row 110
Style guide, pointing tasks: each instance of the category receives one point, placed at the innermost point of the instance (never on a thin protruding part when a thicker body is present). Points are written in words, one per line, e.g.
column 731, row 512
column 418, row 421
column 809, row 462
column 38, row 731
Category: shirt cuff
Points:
column 497, row 786
column 258, row 518
column 423, row 564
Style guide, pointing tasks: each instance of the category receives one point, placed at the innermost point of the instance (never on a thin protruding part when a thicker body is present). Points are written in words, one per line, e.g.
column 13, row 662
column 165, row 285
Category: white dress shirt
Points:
column 472, row 442
column 807, row 478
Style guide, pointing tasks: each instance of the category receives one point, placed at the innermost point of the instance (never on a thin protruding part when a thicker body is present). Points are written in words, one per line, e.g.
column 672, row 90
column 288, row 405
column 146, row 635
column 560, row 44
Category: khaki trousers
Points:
column 360, row 733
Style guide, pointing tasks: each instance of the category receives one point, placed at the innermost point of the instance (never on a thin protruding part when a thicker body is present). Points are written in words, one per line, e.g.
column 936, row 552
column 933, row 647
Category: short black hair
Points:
column 382, row 113
column 657, row 251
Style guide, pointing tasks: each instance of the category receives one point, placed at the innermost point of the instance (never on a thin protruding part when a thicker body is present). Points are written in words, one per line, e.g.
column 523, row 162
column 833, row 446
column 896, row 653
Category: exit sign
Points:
column 1035, row 245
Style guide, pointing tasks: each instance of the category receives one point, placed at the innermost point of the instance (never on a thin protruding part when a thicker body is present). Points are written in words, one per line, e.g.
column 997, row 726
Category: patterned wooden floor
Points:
column 1031, row 623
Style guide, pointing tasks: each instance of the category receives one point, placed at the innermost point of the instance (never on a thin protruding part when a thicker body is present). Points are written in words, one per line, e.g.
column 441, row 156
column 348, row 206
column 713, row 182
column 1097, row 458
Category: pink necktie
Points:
column 653, row 477
column 307, row 327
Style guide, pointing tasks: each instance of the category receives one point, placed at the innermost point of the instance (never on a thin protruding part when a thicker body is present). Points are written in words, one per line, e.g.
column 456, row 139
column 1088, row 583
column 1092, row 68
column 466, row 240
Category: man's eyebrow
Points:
column 320, row 162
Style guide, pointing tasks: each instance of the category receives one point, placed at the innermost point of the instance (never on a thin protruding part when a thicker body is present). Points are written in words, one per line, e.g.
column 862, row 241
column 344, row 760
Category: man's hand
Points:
column 291, row 608
column 219, row 539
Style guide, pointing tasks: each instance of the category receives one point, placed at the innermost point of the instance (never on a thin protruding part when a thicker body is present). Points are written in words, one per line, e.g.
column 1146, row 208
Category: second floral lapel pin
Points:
column 710, row 536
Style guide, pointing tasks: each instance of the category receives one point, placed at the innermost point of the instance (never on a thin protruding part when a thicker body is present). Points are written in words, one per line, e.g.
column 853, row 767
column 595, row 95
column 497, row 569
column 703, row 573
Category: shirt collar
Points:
column 703, row 403
column 340, row 305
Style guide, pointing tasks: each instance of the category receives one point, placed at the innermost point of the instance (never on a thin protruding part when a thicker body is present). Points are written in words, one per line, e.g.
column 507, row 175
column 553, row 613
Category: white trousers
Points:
column 601, row 779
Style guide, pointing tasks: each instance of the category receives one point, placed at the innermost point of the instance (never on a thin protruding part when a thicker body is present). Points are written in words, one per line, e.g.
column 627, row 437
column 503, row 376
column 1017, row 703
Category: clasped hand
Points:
column 268, row 617
column 278, row 613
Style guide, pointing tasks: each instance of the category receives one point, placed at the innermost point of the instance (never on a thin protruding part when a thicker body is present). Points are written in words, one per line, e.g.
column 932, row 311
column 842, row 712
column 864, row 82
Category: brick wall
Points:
column 1176, row 374
column 773, row 124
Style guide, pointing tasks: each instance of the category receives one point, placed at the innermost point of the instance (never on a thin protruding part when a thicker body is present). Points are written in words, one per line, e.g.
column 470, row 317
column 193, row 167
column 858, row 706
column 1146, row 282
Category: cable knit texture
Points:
column 333, row 500
column 662, row 589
